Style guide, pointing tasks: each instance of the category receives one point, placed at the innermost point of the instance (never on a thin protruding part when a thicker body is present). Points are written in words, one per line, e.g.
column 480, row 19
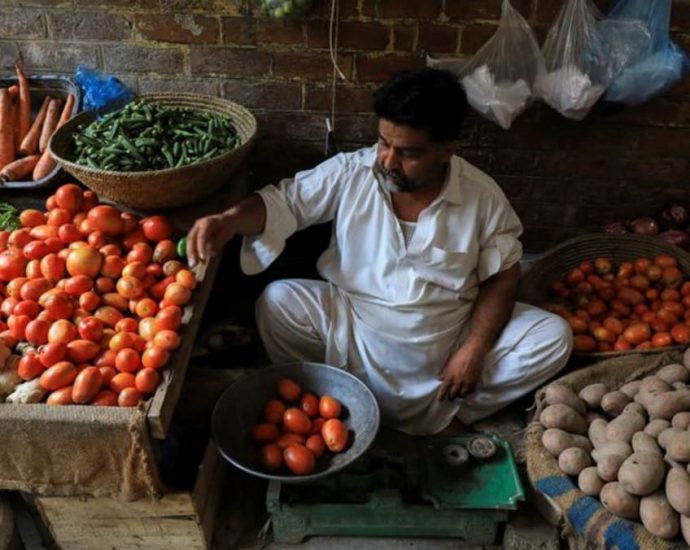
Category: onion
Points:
column 676, row 237
column 616, row 228
column 674, row 216
column 644, row 226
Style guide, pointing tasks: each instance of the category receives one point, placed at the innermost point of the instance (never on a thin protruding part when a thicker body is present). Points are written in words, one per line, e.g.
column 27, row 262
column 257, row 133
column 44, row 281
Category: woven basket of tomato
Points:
column 619, row 293
column 91, row 299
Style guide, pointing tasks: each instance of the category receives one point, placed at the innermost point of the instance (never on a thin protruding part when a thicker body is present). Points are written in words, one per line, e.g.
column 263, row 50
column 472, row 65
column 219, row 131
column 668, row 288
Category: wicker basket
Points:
column 556, row 262
column 161, row 188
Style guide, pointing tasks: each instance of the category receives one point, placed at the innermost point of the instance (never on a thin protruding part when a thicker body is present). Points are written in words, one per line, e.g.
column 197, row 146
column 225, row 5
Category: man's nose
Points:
column 390, row 160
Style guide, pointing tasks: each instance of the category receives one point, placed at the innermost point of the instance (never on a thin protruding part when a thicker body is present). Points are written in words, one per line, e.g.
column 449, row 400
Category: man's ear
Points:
column 449, row 148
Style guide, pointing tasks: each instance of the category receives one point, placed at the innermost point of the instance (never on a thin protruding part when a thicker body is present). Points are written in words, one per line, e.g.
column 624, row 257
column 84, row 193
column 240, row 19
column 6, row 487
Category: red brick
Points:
column 547, row 11
column 207, row 6
column 239, row 30
column 141, row 59
column 680, row 16
column 58, row 57
column 89, row 25
column 438, row 38
column 147, row 4
column 192, row 85
column 469, row 10
column 185, row 28
column 227, row 61
column 475, row 36
column 428, row 9
column 263, row 95
column 291, row 125
column 348, row 99
column 280, row 32
column 351, row 35
column 8, row 54
column 379, row 68
column 346, row 8
column 309, row 66
column 357, row 128
column 667, row 142
column 404, row 37
column 22, row 23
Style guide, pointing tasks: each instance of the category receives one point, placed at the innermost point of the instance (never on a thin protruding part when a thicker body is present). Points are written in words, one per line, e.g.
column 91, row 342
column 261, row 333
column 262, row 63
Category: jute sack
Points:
column 585, row 517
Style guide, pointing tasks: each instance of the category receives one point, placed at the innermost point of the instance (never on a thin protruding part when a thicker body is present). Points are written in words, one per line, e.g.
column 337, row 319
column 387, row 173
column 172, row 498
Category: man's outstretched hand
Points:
column 461, row 374
column 207, row 237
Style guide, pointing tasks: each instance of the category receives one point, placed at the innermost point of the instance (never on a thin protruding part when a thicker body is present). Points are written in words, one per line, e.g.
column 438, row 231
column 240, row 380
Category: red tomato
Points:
column 288, row 439
column 12, row 264
column 112, row 266
column 156, row 228
column 295, row 421
column 316, row 425
column 141, row 252
column 127, row 360
column 681, row 334
column 52, row 353
column 69, row 196
column 129, row 397
column 34, row 289
column 15, row 286
column 329, row 407
column 17, row 325
column 299, row 460
column 146, row 307
column 147, row 380
column 30, row 366
column 90, row 200
column 69, row 233
column 636, row 333
column 316, row 444
column 164, row 251
column 52, row 267
column 309, row 404
column 274, row 411
column 177, row 294
column 35, row 250
column 121, row 381
column 87, row 384
column 36, row 332
column 662, row 340
column 106, row 219
column 288, row 389
column 109, row 315
column 106, row 358
column 103, row 285
column 130, row 222
column 105, row 398
column 271, row 457
column 335, row 434
column 89, row 301
column 155, row 357
column 82, row 351
column 61, row 396
column 170, row 318
column 265, row 433
column 27, row 307
column 84, row 261
column 96, row 239
column 58, row 217
column 129, row 287
column 59, row 306
column 32, row 218
column 59, row 375
column 78, row 285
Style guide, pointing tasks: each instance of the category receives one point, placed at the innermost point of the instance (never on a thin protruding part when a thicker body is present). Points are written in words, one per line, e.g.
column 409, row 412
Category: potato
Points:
column 685, row 523
column 678, row 490
column 563, row 417
column 673, row 463
column 642, row 473
column 686, row 358
column 559, row 394
column 592, row 394
column 673, row 373
column 666, row 404
column 618, row 501
column 556, row 441
column 597, row 432
column 658, row 516
column 636, row 408
column 679, row 386
column 656, row 426
column 644, row 442
column 667, row 435
column 589, row 481
column 681, row 420
column 612, row 448
column 614, row 402
column 591, row 416
column 653, row 384
column 608, row 466
column 678, row 447
column 573, row 460
column 631, row 388
column 623, row 427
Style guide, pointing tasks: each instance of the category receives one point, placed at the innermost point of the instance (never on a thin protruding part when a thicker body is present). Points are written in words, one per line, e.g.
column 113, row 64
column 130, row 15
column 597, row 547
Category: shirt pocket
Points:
column 448, row 269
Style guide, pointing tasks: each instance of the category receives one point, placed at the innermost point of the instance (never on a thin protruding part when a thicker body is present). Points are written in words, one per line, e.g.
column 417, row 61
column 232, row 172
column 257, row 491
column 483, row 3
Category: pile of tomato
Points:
column 640, row 305
column 299, row 428
column 97, row 294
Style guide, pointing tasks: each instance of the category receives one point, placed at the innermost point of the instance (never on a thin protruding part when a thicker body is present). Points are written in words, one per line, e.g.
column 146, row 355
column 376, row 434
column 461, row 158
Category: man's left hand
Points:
column 461, row 374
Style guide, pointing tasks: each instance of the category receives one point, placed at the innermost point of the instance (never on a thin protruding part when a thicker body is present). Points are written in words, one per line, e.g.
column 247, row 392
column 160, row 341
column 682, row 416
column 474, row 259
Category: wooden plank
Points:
column 208, row 489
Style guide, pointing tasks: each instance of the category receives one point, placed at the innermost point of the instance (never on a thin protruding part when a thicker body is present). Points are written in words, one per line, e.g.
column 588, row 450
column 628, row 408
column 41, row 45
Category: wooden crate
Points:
column 179, row 520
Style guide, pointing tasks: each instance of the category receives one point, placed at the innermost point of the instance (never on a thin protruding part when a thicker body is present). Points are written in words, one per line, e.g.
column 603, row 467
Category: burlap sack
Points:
column 585, row 517
column 68, row 451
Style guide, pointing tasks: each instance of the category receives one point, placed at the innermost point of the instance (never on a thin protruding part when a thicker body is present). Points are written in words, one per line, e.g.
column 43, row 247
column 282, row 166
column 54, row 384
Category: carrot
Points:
column 14, row 91
column 6, row 129
column 66, row 110
column 18, row 169
column 30, row 141
column 24, row 102
column 50, row 124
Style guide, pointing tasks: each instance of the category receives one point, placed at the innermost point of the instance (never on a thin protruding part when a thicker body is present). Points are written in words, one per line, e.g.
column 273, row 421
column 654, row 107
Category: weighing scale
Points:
column 404, row 487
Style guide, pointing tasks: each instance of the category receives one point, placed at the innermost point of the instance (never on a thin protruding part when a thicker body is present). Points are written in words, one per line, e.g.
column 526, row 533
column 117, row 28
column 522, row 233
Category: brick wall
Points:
column 563, row 177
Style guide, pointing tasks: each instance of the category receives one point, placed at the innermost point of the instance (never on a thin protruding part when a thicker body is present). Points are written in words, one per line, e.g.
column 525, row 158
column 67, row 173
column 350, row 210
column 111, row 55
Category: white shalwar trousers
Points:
column 297, row 320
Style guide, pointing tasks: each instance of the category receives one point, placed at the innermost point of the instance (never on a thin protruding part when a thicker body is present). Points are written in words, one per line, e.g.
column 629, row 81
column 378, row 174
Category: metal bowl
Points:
column 241, row 406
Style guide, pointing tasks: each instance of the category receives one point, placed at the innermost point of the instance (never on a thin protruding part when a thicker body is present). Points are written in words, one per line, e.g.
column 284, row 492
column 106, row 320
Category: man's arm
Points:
column 210, row 234
column 491, row 312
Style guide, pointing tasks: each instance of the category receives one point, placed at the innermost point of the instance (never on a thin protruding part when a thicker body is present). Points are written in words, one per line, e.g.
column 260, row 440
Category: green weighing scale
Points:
column 404, row 487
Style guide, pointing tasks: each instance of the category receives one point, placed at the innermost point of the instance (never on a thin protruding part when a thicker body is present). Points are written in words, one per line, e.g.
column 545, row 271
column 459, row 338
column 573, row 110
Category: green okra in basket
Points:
column 145, row 136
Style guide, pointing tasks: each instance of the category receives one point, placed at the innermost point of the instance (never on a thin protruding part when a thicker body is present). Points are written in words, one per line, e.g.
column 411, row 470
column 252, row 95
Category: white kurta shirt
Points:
column 397, row 311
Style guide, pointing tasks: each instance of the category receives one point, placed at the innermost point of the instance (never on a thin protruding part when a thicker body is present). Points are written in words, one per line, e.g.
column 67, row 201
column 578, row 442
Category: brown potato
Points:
column 631, row 388
column 621, row 448
column 637, row 408
column 686, row 358
column 642, row 473
column 623, row 427
column 653, row 384
column 573, row 460
column 608, row 466
column 656, row 426
column 556, row 441
column 667, row 435
column 618, row 501
column 597, row 432
column 644, row 442
column 666, row 404
column 673, row 373
column 560, row 394
column 589, row 481
column 563, row 417
column 685, row 522
column 679, row 447
column 593, row 393
column 614, row 402
column 678, row 490
column 658, row 516
column 681, row 420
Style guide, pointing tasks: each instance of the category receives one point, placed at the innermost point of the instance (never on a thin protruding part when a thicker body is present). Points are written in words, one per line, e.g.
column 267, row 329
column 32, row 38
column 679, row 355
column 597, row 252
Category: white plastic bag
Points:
column 498, row 80
column 577, row 64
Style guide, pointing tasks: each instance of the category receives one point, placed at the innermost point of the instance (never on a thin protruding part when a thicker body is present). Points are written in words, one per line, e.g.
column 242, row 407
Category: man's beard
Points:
column 395, row 181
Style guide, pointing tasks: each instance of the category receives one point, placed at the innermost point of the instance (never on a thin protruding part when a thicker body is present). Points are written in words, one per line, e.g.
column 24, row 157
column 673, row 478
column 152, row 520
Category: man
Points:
column 420, row 275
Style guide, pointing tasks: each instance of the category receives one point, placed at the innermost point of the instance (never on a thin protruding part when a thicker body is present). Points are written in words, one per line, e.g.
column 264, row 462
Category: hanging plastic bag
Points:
column 498, row 80
column 578, row 67
column 101, row 93
column 658, row 64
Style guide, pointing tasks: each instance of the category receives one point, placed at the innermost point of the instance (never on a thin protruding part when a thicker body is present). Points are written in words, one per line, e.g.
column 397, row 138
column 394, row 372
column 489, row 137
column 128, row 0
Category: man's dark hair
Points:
column 425, row 99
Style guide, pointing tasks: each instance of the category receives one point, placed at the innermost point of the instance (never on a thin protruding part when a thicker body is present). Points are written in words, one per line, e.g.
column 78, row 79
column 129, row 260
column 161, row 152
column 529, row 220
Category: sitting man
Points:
column 420, row 275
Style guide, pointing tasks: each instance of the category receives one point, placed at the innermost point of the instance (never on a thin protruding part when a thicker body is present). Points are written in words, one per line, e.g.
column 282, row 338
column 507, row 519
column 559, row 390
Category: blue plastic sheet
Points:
column 659, row 63
column 101, row 93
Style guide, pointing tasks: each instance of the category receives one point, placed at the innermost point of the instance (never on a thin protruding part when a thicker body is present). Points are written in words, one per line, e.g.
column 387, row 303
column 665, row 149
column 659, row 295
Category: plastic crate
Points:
column 41, row 86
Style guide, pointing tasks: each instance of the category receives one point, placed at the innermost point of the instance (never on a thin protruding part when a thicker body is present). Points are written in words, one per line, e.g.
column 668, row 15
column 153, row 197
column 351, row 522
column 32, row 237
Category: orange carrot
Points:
column 14, row 91
column 50, row 124
column 24, row 103
column 45, row 165
column 6, row 129
column 66, row 110
column 30, row 142
column 18, row 169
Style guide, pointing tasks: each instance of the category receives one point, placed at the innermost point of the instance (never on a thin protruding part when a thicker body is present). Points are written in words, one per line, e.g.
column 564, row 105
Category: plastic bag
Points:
column 578, row 68
column 658, row 63
column 283, row 9
column 498, row 80
column 101, row 93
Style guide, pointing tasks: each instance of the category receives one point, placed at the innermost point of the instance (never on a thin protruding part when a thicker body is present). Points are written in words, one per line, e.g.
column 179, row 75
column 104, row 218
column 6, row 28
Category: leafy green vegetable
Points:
column 9, row 217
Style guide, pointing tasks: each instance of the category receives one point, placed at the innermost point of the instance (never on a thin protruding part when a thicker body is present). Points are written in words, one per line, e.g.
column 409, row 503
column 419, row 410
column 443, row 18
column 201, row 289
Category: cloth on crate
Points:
column 395, row 312
column 585, row 516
